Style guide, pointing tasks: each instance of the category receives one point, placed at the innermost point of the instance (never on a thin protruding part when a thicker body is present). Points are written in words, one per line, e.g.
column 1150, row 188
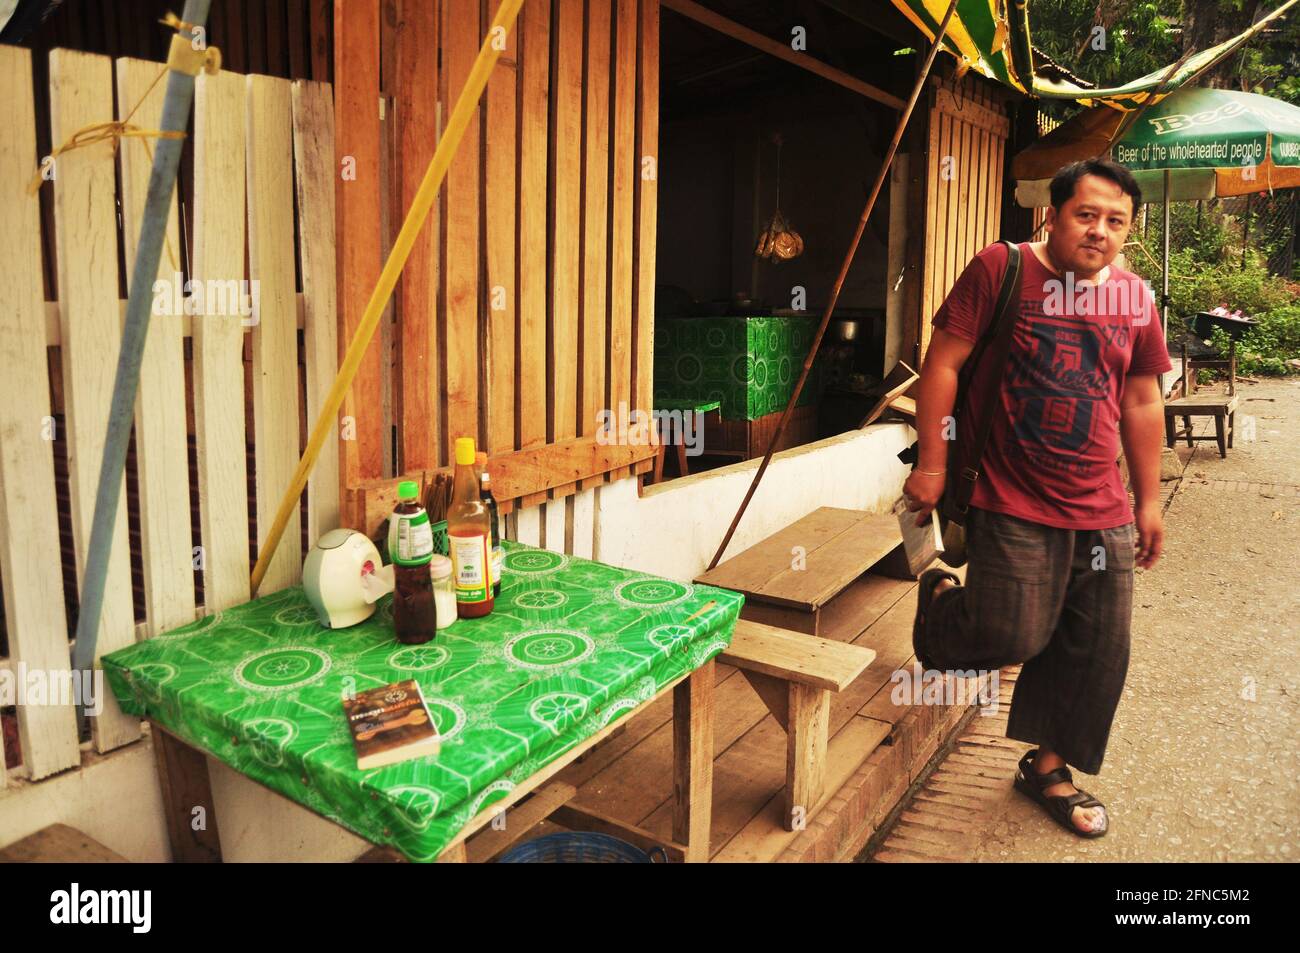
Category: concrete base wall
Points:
column 674, row 529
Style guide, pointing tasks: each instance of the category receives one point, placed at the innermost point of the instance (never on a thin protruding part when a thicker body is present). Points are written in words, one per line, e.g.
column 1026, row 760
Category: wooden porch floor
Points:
column 629, row 777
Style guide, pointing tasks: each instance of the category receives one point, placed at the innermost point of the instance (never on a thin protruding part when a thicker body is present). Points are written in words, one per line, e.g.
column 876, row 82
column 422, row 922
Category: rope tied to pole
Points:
column 188, row 60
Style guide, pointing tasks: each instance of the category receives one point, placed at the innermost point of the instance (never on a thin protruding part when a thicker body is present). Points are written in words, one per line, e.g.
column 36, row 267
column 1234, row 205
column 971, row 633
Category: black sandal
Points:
column 924, row 593
column 1059, row 806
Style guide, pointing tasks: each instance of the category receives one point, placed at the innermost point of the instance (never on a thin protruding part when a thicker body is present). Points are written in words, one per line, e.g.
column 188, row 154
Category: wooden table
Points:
column 186, row 786
column 572, row 650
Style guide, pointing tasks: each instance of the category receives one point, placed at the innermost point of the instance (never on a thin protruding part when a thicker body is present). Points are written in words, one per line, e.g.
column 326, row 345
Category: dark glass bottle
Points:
column 411, row 548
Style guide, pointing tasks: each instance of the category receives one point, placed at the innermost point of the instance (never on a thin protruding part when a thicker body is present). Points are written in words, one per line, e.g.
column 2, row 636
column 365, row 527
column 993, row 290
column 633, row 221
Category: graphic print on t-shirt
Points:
column 1057, row 384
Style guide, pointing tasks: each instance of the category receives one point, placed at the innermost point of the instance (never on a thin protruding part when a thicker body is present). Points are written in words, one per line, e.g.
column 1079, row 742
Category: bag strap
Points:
column 998, row 336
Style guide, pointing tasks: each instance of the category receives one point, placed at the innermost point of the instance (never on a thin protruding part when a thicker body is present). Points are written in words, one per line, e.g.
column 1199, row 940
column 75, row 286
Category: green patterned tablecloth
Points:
column 571, row 645
column 748, row 364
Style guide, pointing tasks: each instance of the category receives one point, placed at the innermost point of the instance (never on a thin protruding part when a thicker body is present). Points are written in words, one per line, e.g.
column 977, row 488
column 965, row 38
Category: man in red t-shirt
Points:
column 1052, row 540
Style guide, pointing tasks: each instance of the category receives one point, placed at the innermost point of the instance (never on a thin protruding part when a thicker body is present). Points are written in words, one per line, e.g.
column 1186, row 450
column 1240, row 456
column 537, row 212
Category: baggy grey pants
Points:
column 1061, row 602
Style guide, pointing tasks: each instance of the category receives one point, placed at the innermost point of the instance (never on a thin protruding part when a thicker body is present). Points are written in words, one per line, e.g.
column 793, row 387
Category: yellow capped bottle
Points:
column 469, row 534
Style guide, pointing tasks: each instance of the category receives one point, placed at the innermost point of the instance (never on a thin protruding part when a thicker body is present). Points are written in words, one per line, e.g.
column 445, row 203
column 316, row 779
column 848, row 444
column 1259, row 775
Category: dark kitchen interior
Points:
column 743, row 134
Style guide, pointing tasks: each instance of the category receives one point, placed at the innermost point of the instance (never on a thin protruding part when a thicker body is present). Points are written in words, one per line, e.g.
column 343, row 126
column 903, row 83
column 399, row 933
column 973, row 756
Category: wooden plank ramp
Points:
column 788, row 577
column 876, row 750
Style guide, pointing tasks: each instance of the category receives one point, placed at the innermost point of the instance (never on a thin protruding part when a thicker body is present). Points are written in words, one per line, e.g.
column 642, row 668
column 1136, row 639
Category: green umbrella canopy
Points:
column 993, row 38
column 1212, row 129
column 1217, row 142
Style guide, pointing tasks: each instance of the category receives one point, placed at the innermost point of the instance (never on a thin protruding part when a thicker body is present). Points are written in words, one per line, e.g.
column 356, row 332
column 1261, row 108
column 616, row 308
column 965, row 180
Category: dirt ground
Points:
column 1203, row 762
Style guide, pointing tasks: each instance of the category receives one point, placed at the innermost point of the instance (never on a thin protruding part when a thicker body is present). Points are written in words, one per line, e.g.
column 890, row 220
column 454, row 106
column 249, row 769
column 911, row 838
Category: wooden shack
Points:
column 622, row 147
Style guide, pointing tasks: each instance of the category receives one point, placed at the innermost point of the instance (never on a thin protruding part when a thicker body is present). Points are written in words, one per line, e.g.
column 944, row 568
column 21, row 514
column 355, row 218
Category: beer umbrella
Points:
column 1193, row 144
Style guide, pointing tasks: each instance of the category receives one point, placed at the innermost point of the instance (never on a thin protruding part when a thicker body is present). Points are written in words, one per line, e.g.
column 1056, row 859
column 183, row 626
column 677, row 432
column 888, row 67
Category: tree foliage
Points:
column 1111, row 42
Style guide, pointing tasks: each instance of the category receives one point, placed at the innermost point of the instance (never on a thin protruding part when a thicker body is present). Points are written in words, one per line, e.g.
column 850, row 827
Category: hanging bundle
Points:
column 778, row 241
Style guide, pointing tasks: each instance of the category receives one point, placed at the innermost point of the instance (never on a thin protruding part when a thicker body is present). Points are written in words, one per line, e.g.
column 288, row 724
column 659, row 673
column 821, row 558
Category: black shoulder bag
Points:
column 963, row 463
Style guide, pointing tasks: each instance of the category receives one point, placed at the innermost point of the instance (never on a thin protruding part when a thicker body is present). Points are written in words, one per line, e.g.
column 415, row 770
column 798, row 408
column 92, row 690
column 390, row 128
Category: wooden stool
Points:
column 686, row 405
column 795, row 675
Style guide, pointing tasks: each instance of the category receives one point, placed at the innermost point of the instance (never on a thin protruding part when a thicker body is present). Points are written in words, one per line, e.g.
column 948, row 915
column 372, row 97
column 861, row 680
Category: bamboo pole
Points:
column 135, row 331
column 461, row 114
column 839, row 280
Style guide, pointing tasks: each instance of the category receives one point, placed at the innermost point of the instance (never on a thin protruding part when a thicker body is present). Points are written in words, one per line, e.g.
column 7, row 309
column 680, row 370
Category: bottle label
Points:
column 413, row 542
column 472, row 563
column 497, row 557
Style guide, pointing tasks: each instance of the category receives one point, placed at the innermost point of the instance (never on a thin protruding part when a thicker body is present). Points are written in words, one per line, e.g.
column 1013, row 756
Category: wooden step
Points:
column 796, row 657
column 795, row 675
column 789, row 576
column 59, row 844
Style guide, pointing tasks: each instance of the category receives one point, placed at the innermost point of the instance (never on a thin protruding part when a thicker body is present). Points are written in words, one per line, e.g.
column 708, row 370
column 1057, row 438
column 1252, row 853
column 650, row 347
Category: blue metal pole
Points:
column 162, row 181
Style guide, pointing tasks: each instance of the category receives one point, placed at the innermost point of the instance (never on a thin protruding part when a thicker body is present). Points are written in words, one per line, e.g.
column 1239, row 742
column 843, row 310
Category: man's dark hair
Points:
column 1066, row 176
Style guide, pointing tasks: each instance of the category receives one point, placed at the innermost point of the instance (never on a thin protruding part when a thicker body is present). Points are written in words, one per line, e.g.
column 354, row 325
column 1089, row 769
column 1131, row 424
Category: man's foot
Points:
column 930, row 584
column 1084, row 818
column 1087, row 815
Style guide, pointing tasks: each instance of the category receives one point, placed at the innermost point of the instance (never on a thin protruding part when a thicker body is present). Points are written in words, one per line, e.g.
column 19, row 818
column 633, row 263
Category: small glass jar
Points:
column 444, row 590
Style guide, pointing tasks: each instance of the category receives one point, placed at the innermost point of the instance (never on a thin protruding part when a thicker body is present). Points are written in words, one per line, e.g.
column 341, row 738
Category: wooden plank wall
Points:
column 968, row 135
column 258, row 142
column 527, row 305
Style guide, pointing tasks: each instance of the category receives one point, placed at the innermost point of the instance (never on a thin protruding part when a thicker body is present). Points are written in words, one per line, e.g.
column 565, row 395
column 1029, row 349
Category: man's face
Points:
column 1091, row 227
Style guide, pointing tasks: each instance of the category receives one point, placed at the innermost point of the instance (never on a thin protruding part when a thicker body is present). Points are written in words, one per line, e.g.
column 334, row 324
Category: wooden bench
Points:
column 795, row 674
column 788, row 577
column 59, row 844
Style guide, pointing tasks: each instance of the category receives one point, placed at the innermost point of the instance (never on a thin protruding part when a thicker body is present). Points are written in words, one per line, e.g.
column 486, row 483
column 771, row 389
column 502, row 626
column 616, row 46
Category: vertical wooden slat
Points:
column 276, row 49
column 566, row 224
column 969, row 194
column 528, row 525
column 85, row 221
column 978, row 209
column 500, row 287
column 219, row 223
column 553, row 514
column 460, row 43
column 417, row 117
column 932, row 193
column 321, row 14
column 647, row 189
column 29, row 533
column 951, row 266
column 624, row 170
column 275, row 335
column 231, row 42
column 594, row 315
column 356, row 150
column 390, row 214
column 965, row 217
column 297, row 24
column 313, row 151
column 160, row 435
column 584, row 522
column 254, row 24
column 995, row 214
column 534, row 98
